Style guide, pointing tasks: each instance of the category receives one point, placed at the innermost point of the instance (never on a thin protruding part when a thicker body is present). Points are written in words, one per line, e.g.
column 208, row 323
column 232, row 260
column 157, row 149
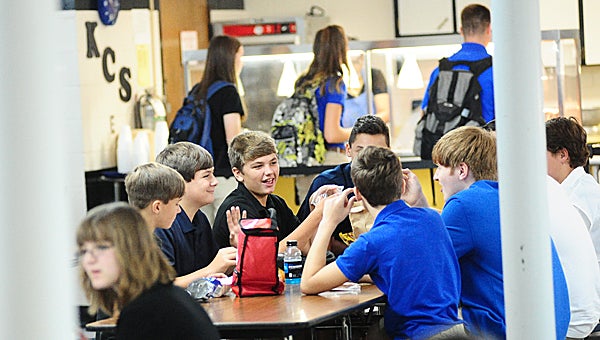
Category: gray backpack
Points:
column 453, row 101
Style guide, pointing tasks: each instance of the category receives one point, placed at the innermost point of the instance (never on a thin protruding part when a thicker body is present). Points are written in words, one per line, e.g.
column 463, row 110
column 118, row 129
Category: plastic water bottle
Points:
column 292, row 263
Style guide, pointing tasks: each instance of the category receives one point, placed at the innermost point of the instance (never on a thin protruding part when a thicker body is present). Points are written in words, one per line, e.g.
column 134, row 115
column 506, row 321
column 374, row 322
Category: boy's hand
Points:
column 323, row 192
column 233, row 218
column 224, row 260
column 336, row 208
column 413, row 193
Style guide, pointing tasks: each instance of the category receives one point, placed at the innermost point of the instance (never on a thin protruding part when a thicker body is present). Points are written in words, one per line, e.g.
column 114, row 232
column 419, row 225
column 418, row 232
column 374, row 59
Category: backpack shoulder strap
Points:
column 216, row 86
column 446, row 65
column 477, row 67
column 193, row 94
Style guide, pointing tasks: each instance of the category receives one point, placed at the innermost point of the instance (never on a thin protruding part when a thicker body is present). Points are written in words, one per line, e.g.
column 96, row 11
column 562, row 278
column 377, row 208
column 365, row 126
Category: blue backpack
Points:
column 193, row 120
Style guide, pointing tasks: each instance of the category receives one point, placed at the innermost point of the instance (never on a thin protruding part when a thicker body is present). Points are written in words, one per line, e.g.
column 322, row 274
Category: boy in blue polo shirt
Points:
column 188, row 244
column 407, row 253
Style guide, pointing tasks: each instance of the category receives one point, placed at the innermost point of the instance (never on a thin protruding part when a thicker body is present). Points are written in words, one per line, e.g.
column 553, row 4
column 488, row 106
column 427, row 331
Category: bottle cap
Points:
column 291, row 243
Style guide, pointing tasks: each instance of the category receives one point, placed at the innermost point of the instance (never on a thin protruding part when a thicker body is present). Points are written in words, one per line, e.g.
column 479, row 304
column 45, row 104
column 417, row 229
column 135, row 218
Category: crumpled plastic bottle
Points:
column 207, row 287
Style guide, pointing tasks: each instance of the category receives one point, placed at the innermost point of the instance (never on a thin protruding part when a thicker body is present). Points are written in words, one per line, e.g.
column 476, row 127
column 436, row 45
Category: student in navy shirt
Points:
column 189, row 245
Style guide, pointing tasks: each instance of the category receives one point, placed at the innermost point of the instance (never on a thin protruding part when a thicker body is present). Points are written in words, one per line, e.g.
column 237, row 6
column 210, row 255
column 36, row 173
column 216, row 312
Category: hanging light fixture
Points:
column 287, row 81
column 410, row 76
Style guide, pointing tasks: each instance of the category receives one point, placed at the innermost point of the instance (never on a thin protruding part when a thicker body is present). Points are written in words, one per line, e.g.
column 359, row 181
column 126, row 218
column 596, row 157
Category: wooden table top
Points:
column 277, row 313
column 286, row 310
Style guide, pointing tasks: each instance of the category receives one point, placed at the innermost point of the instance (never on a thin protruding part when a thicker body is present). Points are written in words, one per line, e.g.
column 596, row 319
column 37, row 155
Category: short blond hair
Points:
column 471, row 145
column 153, row 181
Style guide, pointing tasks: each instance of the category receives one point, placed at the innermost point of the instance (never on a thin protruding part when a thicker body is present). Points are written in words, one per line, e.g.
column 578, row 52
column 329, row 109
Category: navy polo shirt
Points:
column 188, row 245
column 340, row 175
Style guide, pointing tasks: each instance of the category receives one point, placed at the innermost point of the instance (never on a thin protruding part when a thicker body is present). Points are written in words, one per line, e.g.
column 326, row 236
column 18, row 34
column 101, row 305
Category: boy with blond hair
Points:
column 253, row 159
column 467, row 172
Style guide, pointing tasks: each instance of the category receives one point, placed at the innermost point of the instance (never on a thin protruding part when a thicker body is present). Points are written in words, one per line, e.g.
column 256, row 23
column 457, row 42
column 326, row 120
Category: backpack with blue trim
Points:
column 193, row 120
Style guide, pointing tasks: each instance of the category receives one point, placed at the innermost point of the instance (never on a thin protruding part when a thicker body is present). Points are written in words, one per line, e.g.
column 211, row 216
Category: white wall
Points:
column 364, row 20
column 102, row 109
column 374, row 20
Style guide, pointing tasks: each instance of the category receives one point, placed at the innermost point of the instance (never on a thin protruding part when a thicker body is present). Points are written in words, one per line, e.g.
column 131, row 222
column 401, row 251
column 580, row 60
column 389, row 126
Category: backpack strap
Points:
column 480, row 66
column 216, row 86
column 477, row 67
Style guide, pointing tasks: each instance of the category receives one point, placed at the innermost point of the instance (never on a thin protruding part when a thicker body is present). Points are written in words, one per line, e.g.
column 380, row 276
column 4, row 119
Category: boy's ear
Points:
column 357, row 194
column 237, row 174
column 348, row 150
column 463, row 170
column 156, row 205
column 564, row 154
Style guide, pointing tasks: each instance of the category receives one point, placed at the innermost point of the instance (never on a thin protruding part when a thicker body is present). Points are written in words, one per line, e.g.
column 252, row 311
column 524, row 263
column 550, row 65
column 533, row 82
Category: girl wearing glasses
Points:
column 123, row 270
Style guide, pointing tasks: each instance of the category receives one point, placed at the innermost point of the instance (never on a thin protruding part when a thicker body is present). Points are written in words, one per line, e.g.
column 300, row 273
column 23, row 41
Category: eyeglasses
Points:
column 96, row 250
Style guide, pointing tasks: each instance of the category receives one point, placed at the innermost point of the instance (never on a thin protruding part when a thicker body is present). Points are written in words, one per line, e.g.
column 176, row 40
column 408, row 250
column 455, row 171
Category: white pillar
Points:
column 528, row 288
column 41, row 172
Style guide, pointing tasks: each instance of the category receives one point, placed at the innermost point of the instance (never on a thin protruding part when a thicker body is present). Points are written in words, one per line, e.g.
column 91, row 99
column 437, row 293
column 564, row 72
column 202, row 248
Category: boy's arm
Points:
column 316, row 277
column 223, row 261
column 305, row 232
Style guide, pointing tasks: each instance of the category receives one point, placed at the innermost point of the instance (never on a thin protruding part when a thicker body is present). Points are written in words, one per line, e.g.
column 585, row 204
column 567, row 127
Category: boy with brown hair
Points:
column 253, row 159
column 422, row 286
column 188, row 244
column 156, row 191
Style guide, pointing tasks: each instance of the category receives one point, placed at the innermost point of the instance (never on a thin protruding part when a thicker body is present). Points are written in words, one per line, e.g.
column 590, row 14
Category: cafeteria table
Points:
column 279, row 315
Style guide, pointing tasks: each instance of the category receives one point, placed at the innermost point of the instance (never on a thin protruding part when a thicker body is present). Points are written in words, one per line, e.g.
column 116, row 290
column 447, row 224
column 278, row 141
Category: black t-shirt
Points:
column 286, row 220
column 165, row 312
column 226, row 100
column 378, row 83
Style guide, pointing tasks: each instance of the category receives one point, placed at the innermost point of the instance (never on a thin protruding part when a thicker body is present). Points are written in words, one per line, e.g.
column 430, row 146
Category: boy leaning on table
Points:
column 189, row 245
column 407, row 253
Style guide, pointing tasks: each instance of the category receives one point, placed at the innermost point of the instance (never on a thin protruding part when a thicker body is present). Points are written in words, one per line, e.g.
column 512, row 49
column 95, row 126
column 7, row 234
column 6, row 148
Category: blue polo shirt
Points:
column 188, row 245
column 472, row 52
column 472, row 217
column 409, row 255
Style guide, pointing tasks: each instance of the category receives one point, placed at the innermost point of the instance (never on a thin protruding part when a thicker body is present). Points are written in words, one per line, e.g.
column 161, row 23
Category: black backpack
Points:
column 453, row 101
column 192, row 123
